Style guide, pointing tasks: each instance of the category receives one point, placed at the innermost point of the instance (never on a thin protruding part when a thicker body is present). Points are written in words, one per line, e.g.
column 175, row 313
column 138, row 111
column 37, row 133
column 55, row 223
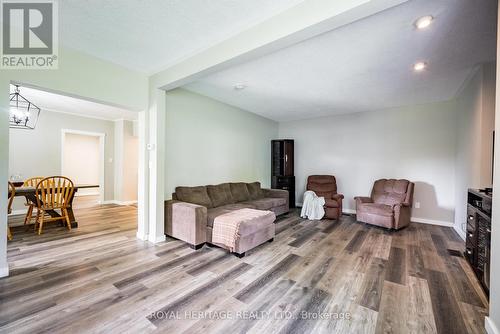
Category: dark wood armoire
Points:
column 478, row 238
column 282, row 171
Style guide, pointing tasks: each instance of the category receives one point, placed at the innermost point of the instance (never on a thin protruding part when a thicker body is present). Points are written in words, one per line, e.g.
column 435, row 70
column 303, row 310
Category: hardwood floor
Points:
column 357, row 278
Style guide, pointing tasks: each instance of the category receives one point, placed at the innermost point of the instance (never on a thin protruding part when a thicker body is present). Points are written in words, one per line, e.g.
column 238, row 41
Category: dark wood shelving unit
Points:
column 478, row 235
column 282, row 167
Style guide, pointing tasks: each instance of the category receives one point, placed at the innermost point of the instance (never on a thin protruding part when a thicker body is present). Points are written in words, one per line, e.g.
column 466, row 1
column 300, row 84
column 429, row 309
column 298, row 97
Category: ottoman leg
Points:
column 196, row 247
column 239, row 255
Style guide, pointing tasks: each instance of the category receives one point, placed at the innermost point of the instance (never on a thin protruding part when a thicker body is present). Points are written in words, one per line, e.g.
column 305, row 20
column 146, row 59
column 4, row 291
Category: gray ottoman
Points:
column 254, row 227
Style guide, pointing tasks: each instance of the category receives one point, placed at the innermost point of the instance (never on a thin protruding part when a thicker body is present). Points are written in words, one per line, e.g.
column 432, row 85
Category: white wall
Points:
column 78, row 75
column 209, row 142
column 126, row 162
column 130, row 162
column 487, row 123
column 476, row 115
column 118, row 159
column 416, row 143
column 82, row 160
column 493, row 319
column 298, row 23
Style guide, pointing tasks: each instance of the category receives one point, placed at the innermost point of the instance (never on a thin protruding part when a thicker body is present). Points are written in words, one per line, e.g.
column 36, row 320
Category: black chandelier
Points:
column 23, row 113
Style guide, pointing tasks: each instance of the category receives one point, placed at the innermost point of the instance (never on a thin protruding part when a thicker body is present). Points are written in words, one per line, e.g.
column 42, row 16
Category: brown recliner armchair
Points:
column 389, row 205
column 326, row 186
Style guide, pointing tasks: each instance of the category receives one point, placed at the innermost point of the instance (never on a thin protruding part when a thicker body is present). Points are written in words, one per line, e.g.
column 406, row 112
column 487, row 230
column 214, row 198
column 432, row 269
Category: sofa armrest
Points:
column 186, row 221
column 276, row 193
column 338, row 197
column 402, row 215
column 361, row 199
column 401, row 205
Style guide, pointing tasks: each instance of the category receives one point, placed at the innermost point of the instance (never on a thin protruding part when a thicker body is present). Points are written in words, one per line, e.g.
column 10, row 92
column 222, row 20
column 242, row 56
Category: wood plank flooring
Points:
column 316, row 277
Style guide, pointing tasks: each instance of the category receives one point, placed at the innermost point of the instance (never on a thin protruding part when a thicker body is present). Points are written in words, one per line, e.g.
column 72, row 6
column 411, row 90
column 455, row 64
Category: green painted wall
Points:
column 209, row 142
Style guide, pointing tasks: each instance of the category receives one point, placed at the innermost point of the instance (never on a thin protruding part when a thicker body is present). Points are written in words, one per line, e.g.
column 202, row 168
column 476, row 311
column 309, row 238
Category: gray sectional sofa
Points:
column 190, row 215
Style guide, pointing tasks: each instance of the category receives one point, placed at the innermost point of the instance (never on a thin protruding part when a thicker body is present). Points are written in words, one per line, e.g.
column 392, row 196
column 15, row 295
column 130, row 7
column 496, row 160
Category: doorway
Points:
column 89, row 142
column 82, row 160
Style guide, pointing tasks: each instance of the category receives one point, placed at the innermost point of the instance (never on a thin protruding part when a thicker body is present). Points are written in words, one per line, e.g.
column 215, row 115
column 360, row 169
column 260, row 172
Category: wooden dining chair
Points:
column 31, row 182
column 53, row 193
column 12, row 193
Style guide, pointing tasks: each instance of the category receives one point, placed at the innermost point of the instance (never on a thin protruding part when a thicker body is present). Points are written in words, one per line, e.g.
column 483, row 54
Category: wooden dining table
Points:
column 30, row 194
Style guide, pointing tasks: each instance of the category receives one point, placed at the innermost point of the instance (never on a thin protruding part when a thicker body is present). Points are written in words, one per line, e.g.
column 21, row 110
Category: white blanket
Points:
column 312, row 206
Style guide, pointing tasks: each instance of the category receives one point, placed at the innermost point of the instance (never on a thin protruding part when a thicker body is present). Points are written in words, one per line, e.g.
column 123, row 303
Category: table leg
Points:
column 71, row 215
column 55, row 214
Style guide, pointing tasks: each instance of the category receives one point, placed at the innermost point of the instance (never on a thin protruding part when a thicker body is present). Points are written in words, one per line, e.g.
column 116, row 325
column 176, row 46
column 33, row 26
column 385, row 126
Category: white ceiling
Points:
column 366, row 65
column 70, row 105
column 151, row 35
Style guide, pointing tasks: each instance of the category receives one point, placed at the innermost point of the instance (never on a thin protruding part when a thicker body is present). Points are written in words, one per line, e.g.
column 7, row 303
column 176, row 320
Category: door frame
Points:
column 102, row 142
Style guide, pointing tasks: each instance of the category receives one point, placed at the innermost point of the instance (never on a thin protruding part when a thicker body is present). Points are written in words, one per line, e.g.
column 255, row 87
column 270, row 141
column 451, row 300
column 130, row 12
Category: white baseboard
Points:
column 118, row 202
column 126, row 202
column 142, row 236
column 4, row 272
column 490, row 326
column 146, row 237
column 18, row 212
column 459, row 232
column 159, row 239
column 418, row 220
column 431, row 221
column 87, row 194
column 346, row 211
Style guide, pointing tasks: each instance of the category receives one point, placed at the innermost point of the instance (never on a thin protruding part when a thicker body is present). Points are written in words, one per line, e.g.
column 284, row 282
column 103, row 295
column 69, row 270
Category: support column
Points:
column 156, row 148
column 4, row 166
column 143, row 182
column 118, row 160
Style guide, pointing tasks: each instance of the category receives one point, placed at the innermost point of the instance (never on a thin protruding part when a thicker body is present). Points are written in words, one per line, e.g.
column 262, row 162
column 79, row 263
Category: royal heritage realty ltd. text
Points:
column 248, row 315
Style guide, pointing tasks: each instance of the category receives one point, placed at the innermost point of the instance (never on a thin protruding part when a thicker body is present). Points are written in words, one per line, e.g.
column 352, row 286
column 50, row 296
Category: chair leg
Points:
column 29, row 214
column 40, row 223
column 66, row 216
column 37, row 218
column 9, row 233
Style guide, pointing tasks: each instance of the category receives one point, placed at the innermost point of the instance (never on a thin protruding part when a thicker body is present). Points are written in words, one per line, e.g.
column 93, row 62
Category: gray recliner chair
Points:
column 388, row 206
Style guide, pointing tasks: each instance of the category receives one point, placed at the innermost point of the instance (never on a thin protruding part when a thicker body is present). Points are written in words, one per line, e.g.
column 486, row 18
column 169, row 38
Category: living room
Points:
column 392, row 94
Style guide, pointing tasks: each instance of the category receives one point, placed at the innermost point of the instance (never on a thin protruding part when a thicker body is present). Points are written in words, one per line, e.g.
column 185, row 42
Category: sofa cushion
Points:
column 331, row 203
column 220, row 194
column 254, row 190
column 266, row 203
column 325, row 194
column 195, row 195
column 322, row 185
column 376, row 209
column 388, row 198
column 391, row 186
column 214, row 212
column 389, row 192
column 239, row 191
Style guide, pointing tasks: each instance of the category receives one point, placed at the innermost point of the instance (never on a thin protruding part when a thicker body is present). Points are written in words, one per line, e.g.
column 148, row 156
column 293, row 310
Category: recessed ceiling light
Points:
column 420, row 66
column 239, row 87
column 424, row 22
